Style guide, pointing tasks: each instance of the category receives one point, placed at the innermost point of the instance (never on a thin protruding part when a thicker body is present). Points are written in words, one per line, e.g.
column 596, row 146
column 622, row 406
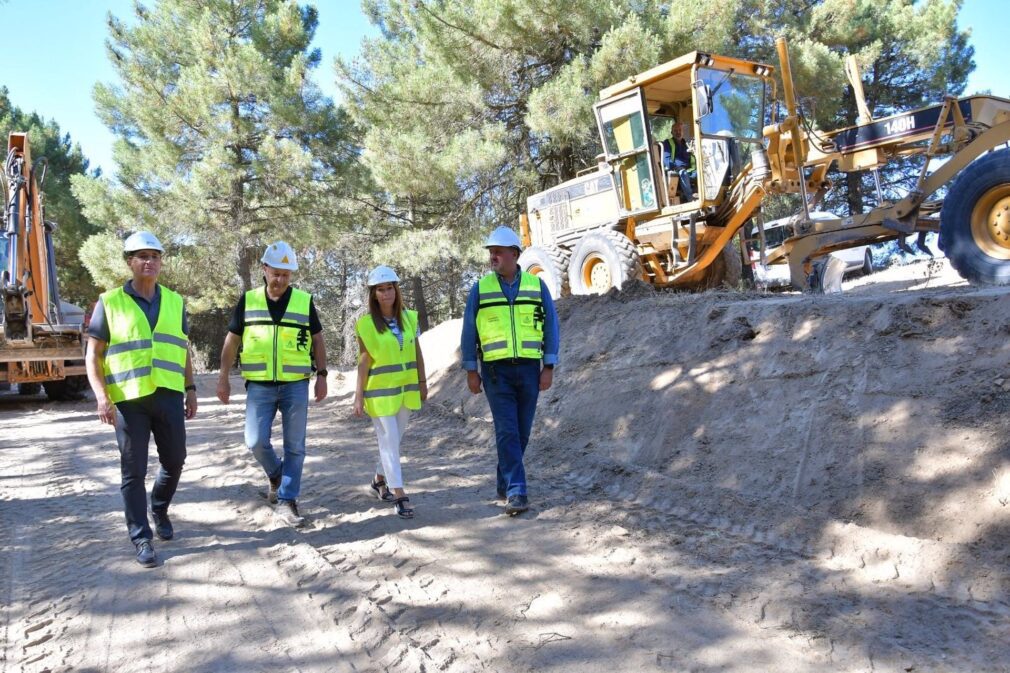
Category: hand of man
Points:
column 223, row 389
column 106, row 411
column 190, row 404
column 424, row 390
column 473, row 382
column 359, row 406
column 320, row 388
column 546, row 378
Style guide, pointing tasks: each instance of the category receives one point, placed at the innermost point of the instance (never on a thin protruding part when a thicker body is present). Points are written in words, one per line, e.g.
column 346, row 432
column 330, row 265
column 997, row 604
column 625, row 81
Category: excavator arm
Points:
column 35, row 344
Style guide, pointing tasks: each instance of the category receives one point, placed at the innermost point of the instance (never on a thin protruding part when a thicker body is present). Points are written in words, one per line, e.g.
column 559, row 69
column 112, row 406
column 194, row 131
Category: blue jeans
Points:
column 262, row 403
column 512, row 391
column 162, row 414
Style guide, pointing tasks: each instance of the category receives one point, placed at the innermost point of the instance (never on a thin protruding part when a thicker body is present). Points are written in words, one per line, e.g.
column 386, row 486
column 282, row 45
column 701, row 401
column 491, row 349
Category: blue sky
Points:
column 59, row 65
column 52, row 70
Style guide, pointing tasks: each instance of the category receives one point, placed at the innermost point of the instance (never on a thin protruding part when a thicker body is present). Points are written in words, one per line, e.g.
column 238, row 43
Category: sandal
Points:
column 402, row 510
column 379, row 486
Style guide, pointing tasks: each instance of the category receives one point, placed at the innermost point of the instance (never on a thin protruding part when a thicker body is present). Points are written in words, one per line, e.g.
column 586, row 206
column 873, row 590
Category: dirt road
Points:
column 721, row 482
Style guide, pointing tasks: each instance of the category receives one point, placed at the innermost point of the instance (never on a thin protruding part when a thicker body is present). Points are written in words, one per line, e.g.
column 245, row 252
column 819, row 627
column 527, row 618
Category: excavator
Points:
column 41, row 337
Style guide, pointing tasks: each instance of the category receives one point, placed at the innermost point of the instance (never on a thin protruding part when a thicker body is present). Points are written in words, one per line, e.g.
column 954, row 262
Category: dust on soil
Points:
column 725, row 481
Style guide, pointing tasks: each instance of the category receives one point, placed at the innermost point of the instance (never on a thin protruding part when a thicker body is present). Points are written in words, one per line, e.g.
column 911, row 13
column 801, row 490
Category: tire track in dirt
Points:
column 798, row 590
column 51, row 526
column 380, row 594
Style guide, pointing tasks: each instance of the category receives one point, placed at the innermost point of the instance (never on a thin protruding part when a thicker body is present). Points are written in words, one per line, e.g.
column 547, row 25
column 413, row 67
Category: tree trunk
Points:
column 237, row 200
column 420, row 305
column 343, row 303
column 246, row 262
column 854, row 193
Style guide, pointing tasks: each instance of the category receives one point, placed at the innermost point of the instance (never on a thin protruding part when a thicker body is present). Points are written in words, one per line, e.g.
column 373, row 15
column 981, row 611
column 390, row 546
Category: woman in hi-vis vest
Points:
column 391, row 380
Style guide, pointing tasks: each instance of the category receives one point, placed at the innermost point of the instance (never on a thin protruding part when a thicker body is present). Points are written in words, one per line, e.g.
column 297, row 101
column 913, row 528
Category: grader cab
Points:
column 637, row 215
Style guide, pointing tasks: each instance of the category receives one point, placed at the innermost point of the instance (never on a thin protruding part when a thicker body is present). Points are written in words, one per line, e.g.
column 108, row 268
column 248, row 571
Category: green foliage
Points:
column 224, row 143
column 65, row 162
column 910, row 55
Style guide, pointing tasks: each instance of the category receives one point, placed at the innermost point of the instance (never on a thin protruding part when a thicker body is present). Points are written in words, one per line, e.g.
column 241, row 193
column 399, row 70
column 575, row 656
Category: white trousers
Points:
column 389, row 431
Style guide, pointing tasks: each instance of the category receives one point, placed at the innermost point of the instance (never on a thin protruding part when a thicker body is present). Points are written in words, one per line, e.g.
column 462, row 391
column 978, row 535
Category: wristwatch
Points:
column 322, row 372
column 548, row 366
column 191, row 387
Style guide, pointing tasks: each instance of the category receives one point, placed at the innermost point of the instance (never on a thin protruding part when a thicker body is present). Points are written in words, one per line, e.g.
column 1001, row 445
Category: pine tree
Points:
column 224, row 142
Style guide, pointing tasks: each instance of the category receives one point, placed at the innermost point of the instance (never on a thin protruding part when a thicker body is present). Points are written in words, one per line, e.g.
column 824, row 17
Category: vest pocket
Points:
column 252, row 362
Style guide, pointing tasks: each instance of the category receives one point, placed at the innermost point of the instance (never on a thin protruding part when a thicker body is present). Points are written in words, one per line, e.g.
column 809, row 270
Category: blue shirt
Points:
column 394, row 327
column 468, row 340
column 99, row 328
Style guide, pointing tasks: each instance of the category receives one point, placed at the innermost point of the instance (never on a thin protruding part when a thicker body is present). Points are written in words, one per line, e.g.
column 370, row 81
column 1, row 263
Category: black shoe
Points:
column 145, row 554
column 501, row 495
column 162, row 525
column 287, row 510
column 275, row 484
column 402, row 511
column 382, row 490
column 517, row 504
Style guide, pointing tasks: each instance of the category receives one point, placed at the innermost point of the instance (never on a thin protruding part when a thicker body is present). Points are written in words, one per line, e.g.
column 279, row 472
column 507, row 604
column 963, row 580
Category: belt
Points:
column 513, row 361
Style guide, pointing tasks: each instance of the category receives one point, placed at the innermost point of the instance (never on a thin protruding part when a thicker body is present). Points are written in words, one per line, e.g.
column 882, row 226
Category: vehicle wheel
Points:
column 29, row 388
column 70, row 388
column 550, row 264
column 867, row 262
column 975, row 221
column 727, row 269
column 828, row 272
column 602, row 260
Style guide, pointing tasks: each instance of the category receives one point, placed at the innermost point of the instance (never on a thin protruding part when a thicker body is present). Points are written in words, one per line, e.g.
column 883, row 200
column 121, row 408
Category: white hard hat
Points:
column 280, row 255
column 505, row 237
column 142, row 240
column 382, row 274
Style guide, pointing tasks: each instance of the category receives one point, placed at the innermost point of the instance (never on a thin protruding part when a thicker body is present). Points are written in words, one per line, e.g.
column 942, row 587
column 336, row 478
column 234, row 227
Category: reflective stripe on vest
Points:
column 507, row 330
column 139, row 360
column 392, row 377
column 276, row 351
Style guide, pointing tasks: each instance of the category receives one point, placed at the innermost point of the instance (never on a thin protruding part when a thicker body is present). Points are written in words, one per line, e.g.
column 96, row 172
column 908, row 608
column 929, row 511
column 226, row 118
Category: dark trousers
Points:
column 161, row 413
column 512, row 391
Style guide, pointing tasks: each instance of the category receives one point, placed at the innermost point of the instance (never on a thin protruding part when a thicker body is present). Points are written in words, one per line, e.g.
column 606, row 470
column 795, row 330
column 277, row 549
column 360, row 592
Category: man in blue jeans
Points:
column 510, row 320
column 282, row 341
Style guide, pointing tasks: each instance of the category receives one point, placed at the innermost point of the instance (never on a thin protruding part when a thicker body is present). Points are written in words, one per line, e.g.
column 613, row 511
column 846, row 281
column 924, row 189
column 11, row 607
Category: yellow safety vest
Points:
column 507, row 330
column 139, row 360
column 278, row 352
column 392, row 378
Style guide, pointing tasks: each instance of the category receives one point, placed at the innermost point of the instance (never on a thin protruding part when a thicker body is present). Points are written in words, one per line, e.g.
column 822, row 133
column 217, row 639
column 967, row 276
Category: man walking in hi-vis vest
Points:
column 510, row 320
column 140, row 370
column 282, row 343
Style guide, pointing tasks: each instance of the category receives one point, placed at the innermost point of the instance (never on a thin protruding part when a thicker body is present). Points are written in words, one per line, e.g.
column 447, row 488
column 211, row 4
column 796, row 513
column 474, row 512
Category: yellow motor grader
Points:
column 41, row 342
column 629, row 217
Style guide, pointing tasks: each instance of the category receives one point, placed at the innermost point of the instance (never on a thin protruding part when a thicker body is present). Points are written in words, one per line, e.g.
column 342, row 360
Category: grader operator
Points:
column 40, row 335
column 631, row 216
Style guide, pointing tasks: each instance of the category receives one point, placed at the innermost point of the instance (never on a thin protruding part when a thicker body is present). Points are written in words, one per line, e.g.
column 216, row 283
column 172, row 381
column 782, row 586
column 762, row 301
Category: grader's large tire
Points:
column 602, row 260
column 726, row 270
column 975, row 221
column 550, row 264
column 70, row 388
column 29, row 388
